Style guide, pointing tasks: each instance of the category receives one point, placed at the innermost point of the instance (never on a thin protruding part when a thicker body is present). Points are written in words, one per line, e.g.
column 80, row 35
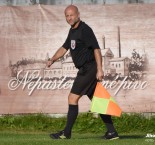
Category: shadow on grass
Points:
column 120, row 137
column 131, row 136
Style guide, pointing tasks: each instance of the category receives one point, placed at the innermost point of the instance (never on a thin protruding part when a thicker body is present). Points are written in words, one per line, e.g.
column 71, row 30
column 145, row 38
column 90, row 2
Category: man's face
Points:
column 72, row 16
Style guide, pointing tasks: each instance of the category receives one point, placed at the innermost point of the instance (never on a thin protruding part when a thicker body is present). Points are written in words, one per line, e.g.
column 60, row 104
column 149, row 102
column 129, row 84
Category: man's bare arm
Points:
column 98, row 58
column 59, row 53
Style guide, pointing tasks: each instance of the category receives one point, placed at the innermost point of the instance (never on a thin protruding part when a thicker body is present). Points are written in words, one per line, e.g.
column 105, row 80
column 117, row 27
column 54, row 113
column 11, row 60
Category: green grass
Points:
column 42, row 138
column 34, row 129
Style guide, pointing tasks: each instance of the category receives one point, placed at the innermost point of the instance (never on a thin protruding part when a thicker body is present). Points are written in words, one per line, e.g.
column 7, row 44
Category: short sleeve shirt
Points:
column 81, row 42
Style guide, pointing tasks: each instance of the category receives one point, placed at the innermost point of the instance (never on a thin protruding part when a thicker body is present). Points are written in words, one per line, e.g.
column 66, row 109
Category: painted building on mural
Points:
column 55, row 71
column 111, row 65
column 121, row 65
column 61, row 68
column 65, row 67
column 68, row 68
column 107, row 55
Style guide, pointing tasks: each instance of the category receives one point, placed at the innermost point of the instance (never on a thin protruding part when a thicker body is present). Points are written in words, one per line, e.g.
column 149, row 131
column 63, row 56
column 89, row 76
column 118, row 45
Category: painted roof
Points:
column 106, row 52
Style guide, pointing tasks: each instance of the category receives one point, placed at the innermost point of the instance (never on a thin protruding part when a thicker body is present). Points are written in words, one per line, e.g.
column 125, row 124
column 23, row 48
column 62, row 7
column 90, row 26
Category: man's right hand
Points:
column 49, row 62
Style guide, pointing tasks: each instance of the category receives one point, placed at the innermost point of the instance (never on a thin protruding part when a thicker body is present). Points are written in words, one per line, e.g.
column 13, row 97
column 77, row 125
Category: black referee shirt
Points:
column 81, row 41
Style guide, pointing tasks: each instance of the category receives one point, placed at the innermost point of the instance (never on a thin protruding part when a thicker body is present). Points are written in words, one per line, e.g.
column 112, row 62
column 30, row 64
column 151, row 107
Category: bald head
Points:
column 72, row 8
column 72, row 16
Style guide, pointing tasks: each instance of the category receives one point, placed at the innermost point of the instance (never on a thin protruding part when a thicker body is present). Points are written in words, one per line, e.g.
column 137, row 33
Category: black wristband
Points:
column 50, row 60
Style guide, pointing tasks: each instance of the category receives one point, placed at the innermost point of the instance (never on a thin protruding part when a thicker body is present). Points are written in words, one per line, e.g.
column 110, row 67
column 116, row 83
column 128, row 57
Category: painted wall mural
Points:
column 32, row 34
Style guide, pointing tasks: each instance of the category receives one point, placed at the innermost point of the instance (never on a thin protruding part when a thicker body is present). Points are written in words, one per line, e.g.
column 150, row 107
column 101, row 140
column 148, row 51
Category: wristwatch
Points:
column 50, row 60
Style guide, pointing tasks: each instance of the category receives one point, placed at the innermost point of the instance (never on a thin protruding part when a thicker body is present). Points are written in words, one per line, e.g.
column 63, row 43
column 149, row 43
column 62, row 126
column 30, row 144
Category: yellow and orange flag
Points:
column 103, row 103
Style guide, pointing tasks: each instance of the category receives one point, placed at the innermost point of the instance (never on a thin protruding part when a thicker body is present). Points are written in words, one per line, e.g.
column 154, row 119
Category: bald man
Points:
column 86, row 56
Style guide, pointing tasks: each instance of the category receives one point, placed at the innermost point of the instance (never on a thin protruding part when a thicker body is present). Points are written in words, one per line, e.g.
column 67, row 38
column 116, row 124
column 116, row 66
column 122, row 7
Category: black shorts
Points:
column 85, row 82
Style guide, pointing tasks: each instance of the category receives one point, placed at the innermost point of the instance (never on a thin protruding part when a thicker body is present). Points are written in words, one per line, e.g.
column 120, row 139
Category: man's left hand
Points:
column 100, row 75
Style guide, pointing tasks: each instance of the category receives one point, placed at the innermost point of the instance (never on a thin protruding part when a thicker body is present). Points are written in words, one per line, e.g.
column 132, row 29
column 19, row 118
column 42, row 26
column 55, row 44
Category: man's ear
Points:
column 78, row 14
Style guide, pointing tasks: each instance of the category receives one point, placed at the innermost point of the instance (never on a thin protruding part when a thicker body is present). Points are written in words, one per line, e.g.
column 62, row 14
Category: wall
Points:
column 27, row 34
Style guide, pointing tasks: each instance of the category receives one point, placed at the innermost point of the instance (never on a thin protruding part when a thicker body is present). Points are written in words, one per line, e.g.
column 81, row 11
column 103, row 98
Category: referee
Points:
column 86, row 56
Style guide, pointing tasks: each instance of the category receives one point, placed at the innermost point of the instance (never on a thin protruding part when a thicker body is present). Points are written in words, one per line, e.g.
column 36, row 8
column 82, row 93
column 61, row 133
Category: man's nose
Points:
column 69, row 18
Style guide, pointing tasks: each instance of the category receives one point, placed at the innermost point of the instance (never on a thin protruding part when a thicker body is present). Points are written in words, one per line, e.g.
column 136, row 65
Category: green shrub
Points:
column 85, row 122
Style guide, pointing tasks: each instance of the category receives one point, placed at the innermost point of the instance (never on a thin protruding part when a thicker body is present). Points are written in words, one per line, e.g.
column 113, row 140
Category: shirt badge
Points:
column 73, row 44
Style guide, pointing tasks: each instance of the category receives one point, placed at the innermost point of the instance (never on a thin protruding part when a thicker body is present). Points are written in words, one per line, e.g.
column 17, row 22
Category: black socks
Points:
column 108, row 122
column 71, row 117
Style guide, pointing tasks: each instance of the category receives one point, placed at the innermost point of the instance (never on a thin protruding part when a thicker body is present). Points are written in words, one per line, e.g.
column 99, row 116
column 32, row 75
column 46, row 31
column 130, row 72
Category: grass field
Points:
column 34, row 129
column 42, row 138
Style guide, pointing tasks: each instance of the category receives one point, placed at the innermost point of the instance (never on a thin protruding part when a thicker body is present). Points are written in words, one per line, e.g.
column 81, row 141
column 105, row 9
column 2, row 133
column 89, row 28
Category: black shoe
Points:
column 59, row 135
column 111, row 135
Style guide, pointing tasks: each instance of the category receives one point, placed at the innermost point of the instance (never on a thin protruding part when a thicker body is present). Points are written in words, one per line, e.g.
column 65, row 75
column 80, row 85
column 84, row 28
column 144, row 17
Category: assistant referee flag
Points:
column 103, row 103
